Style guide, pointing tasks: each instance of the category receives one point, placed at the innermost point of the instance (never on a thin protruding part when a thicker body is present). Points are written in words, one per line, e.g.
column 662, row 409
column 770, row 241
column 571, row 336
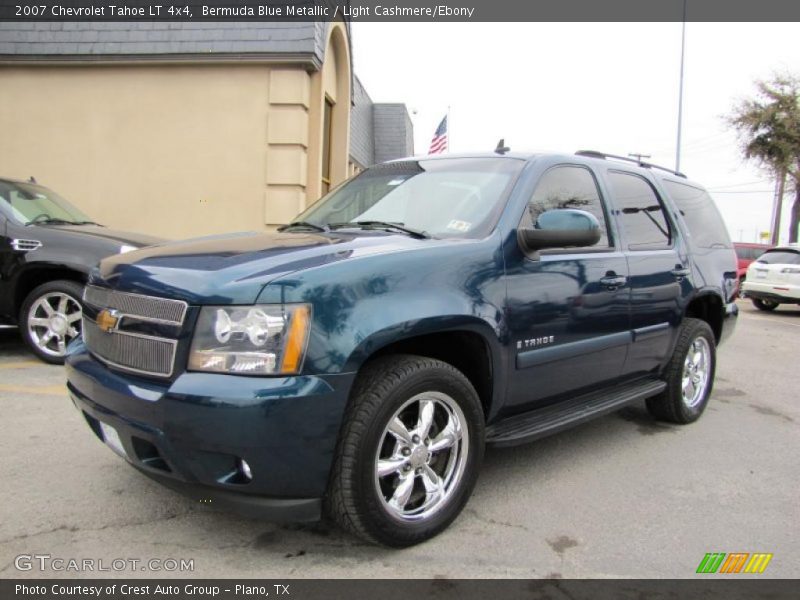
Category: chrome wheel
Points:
column 421, row 456
column 696, row 372
column 54, row 320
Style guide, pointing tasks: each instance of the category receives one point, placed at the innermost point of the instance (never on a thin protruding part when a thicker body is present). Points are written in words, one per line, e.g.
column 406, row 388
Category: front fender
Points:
column 405, row 330
column 489, row 331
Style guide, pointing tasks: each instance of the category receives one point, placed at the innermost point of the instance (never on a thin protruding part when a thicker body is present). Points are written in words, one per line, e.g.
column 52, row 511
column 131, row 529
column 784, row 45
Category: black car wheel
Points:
column 689, row 375
column 409, row 453
column 50, row 318
column 762, row 304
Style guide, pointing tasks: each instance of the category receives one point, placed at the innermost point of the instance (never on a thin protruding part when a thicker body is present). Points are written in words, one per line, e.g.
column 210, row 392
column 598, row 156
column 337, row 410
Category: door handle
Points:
column 680, row 272
column 612, row 282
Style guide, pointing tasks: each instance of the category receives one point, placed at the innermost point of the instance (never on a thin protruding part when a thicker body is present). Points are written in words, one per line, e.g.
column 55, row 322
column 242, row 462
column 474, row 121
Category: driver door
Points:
column 567, row 308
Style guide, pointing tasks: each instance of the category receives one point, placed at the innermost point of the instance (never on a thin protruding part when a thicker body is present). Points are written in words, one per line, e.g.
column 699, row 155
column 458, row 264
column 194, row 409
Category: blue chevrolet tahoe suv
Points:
column 356, row 363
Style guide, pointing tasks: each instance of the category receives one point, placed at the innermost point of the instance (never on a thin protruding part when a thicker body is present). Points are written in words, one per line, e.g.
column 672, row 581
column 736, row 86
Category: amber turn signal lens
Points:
column 296, row 341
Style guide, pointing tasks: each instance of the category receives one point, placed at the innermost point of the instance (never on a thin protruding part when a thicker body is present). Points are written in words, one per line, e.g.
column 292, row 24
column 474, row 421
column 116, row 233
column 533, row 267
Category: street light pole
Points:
column 680, row 91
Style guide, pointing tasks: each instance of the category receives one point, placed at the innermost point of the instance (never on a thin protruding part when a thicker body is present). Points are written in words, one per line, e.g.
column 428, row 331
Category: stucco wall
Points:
column 173, row 151
column 176, row 151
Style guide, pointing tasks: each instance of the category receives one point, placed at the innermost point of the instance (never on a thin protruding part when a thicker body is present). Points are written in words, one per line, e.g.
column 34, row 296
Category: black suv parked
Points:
column 47, row 247
column 356, row 362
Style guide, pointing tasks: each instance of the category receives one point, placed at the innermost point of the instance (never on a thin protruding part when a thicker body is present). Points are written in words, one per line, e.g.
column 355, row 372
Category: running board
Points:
column 529, row 426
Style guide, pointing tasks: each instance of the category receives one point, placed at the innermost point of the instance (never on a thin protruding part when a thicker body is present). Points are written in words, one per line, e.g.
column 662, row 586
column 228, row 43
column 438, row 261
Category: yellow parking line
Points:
column 49, row 390
column 21, row 364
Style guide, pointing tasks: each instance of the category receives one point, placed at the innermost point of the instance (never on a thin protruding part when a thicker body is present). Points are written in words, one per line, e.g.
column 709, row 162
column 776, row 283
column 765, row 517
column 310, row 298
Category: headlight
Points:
column 125, row 248
column 263, row 339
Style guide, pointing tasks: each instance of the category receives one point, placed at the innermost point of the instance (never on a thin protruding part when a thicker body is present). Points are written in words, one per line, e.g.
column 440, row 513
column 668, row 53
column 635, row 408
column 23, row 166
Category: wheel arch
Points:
column 708, row 307
column 470, row 345
column 34, row 276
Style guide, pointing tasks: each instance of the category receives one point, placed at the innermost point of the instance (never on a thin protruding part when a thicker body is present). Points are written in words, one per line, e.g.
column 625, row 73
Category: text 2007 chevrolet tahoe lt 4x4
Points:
column 357, row 362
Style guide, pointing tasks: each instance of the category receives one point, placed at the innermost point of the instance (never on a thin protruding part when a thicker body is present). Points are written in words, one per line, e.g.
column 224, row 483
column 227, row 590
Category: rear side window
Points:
column 780, row 257
column 698, row 210
column 568, row 187
column 641, row 213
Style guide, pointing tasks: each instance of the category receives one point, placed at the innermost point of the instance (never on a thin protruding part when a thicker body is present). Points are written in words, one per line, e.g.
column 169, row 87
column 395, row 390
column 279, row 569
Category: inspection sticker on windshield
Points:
column 459, row 225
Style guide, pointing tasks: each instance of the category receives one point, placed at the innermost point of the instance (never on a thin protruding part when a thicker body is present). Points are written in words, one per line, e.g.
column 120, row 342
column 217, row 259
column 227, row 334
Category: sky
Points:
column 612, row 87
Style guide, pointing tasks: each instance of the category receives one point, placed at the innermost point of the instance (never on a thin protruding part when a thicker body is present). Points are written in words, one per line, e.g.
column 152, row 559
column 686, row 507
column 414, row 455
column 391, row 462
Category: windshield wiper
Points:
column 87, row 223
column 49, row 221
column 383, row 225
column 304, row 224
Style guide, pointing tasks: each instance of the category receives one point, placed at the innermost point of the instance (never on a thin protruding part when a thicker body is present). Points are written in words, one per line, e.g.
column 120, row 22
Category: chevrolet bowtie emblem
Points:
column 107, row 320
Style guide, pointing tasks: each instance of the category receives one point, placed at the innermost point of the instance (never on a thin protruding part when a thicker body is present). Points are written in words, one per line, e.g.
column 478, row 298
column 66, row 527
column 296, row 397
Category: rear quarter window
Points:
column 706, row 227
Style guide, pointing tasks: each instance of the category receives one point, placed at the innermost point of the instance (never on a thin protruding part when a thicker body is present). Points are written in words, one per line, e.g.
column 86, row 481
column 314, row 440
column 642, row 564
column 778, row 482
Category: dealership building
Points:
column 181, row 129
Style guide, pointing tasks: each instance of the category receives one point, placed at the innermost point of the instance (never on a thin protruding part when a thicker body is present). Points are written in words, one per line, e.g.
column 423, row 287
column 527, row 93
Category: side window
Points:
column 701, row 215
column 640, row 212
column 568, row 187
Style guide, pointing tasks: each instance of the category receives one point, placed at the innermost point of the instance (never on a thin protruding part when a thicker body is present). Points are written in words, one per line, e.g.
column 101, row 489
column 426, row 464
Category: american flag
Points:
column 439, row 141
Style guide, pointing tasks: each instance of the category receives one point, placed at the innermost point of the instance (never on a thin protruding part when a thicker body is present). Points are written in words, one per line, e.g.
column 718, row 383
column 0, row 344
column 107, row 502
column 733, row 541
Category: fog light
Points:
column 244, row 469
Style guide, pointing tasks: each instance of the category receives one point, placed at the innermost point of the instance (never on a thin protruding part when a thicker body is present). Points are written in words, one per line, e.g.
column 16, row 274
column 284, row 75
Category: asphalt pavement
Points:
column 624, row 496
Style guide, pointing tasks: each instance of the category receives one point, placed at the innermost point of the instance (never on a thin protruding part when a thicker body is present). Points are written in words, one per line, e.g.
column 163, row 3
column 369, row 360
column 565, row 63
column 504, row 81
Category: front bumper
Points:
column 191, row 433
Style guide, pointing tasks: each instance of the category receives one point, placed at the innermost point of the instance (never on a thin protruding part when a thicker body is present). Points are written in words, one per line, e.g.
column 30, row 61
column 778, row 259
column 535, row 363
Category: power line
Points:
column 742, row 192
column 710, row 147
column 708, row 138
column 723, row 187
column 698, row 142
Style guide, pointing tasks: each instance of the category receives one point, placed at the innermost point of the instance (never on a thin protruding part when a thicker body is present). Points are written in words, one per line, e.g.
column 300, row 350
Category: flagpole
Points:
column 448, row 129
column 680, row 92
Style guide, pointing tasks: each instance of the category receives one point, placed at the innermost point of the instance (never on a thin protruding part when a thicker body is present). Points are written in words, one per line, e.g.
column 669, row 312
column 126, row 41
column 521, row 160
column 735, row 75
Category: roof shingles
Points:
column 77, row 39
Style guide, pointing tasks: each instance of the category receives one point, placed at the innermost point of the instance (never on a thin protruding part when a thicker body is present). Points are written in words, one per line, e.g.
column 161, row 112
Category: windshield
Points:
column 459, row 197
column 31, row 203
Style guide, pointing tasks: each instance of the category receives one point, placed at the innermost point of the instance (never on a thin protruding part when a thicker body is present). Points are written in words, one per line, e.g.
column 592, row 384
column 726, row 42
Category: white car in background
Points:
column 774, row 278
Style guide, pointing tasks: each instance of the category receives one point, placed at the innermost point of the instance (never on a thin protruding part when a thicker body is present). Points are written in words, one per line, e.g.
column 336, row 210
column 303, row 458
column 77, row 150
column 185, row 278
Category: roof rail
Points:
column 641, row 163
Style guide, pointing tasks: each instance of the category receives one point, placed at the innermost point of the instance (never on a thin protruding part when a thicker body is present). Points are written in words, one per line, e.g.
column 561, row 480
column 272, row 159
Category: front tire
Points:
column 689, row 375
column 409, row 453
column 50, row 318
column 765, row 305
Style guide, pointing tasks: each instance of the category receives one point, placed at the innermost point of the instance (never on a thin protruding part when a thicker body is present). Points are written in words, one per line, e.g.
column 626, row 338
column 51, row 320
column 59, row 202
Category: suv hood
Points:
column 120, row 237
column 232, row 269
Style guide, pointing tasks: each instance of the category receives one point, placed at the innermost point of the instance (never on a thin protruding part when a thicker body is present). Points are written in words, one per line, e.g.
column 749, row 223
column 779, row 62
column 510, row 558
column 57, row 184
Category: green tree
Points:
column 769, row 133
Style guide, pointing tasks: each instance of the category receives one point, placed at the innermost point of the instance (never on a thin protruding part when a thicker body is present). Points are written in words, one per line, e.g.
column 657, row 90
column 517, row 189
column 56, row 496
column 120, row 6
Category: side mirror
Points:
column 560, row 228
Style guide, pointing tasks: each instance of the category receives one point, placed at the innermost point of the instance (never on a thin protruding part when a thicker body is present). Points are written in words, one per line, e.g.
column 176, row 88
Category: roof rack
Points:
column 641, row 163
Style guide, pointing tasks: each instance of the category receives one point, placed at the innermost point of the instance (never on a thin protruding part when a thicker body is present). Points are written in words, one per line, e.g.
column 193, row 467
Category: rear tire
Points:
column 409, row 452
column 50, row 318
column 766, row 305
column 689, row 375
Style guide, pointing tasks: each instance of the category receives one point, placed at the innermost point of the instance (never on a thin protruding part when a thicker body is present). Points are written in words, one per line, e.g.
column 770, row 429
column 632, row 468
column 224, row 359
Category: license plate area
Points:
column 112, row 440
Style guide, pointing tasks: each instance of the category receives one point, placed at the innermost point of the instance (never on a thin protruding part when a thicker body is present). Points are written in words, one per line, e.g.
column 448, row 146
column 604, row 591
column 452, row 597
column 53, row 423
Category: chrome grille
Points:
column 126, row 348
column 132, row 352
column 148, row 308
